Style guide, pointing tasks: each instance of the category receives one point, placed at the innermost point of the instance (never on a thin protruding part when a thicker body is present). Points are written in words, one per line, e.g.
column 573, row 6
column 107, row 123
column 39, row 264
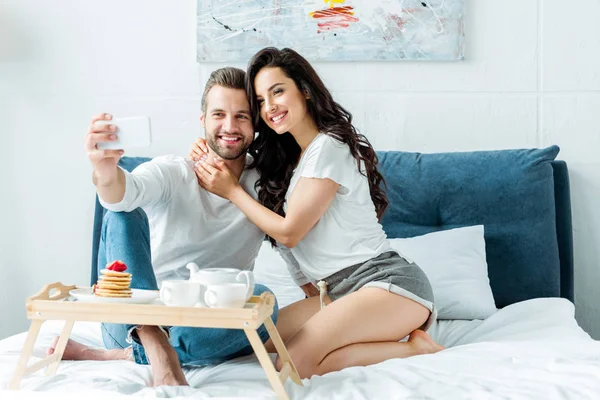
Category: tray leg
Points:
column 265, row 362
column 281, row 350
column 34, row 330
column 60, row 347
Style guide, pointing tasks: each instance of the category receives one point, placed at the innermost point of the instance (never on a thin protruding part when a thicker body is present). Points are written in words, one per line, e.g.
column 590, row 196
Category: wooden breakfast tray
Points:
column 50, row 304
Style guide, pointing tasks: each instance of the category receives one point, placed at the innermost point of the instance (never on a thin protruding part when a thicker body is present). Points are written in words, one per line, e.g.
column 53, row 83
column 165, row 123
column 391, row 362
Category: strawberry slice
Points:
column 118, row 266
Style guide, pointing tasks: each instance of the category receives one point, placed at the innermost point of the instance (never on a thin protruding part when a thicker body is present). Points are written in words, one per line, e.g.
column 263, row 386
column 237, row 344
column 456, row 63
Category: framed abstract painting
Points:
column 332, row 30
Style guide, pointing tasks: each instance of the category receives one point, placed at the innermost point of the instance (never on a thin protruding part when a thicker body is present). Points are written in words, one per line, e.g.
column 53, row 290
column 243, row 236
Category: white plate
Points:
column 138, row 296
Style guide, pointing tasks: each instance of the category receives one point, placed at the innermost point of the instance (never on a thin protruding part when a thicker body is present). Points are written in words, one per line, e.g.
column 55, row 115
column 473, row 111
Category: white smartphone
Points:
column 132, row 133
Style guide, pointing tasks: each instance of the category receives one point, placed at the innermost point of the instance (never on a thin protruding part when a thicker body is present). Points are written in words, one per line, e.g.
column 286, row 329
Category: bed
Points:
column 526, row 346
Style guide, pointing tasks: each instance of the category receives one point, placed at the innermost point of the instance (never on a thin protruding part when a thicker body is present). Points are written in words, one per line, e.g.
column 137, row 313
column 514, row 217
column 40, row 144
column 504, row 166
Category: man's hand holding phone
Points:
column 104, row 161
column 108, row 137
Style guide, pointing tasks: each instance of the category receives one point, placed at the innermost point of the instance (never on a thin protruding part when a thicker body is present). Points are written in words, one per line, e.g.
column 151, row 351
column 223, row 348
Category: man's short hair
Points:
column 229, row 77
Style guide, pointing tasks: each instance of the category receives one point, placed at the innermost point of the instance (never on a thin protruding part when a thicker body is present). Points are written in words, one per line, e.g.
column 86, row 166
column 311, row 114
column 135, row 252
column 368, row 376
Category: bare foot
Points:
column 77, row 351
column 165, row 364
column 169, row 378
column 162, row 357
column 423, row 343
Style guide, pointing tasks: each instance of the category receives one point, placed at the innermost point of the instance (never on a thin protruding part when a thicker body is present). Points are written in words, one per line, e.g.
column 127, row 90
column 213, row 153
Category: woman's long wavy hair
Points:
column 276, row 155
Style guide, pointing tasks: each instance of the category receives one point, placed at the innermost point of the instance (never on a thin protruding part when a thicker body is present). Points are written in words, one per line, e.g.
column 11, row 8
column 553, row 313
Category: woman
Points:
column 321, row 199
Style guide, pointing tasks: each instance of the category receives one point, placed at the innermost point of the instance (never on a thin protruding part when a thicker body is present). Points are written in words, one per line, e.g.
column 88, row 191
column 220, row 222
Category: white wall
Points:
column 530, row 80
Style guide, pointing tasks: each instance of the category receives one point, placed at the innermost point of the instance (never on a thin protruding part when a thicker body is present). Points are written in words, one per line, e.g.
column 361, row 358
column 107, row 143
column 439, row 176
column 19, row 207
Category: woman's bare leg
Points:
column 293, row 317
column 363, row 354
column 368, row 316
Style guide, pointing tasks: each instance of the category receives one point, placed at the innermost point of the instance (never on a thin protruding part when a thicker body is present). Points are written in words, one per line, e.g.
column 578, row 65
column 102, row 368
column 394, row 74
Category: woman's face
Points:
column 282, row 105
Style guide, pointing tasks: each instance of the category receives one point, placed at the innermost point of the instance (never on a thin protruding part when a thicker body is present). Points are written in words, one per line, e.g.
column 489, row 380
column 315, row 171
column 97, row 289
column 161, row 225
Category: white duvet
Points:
column 530, row 350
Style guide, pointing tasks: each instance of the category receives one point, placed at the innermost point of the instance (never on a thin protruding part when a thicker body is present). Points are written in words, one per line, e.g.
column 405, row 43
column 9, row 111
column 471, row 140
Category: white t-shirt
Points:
column 348, row 233
column 188, row 223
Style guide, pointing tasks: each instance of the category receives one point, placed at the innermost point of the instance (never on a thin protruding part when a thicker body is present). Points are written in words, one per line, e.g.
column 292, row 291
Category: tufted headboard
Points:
column 520, row 196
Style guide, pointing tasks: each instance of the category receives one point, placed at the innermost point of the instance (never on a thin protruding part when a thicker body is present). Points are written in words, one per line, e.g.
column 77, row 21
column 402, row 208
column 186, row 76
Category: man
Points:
column 184, row 224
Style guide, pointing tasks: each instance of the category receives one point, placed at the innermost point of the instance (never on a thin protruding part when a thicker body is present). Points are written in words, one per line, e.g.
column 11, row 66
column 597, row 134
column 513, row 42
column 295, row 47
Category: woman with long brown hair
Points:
column 320, row 201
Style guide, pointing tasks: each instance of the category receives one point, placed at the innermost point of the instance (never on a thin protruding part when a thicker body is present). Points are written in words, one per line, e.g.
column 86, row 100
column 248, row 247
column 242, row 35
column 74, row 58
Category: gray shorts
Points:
column 387, row 271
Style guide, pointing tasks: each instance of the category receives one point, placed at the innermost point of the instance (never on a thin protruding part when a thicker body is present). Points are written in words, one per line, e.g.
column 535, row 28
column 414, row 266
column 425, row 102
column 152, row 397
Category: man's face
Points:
column 227, row 122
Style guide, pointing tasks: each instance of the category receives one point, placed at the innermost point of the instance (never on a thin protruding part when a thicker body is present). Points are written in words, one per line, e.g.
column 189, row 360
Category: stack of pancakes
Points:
column 113, row 284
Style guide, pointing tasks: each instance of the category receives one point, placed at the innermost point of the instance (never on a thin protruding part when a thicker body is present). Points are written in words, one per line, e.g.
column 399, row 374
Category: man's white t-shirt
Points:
column 349, row 232
column 188, row 223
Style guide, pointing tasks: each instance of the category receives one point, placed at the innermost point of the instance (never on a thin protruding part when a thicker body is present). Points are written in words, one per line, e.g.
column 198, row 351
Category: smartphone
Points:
column 132, row 133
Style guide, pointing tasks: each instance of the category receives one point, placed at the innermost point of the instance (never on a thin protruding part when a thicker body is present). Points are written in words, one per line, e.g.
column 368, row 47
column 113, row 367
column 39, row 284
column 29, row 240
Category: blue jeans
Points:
column 126, row 237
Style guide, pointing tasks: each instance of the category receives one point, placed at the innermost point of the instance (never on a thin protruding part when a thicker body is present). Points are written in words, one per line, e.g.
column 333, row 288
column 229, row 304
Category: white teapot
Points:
column 221, row 276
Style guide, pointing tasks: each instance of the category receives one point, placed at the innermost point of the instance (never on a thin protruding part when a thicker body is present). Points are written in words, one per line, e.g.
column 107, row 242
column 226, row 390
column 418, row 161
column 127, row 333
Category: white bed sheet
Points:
column 529, row 350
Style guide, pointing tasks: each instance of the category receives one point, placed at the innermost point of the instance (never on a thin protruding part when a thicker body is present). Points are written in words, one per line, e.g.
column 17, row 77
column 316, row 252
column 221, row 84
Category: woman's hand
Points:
column 217, row 179
column 198, row 149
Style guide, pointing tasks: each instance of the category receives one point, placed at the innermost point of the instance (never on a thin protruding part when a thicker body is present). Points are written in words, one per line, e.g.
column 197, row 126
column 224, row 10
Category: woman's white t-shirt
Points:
column 349, row 232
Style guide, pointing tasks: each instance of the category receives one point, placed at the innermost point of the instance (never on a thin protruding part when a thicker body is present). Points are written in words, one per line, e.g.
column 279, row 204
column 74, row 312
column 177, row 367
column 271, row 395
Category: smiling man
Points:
column 159, row 219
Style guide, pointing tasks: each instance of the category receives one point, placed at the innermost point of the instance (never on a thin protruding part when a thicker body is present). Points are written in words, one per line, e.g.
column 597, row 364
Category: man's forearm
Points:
column 111, row 188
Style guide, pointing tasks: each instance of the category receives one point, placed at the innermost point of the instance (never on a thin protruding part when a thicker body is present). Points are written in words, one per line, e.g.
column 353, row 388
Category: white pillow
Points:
column 454, row 261
column 270, row 270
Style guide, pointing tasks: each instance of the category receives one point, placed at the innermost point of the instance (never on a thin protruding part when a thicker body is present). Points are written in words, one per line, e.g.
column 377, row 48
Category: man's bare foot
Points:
column 77, row 351
column 423, row 343
column 169, row 378
column 162, row 357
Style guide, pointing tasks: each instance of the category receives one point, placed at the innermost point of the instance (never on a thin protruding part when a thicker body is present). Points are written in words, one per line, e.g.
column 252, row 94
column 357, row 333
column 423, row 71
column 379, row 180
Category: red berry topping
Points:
column 118, row 266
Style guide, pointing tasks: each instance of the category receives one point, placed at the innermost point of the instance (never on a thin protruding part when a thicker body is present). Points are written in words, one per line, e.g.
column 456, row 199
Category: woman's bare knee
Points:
column 305, row 359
